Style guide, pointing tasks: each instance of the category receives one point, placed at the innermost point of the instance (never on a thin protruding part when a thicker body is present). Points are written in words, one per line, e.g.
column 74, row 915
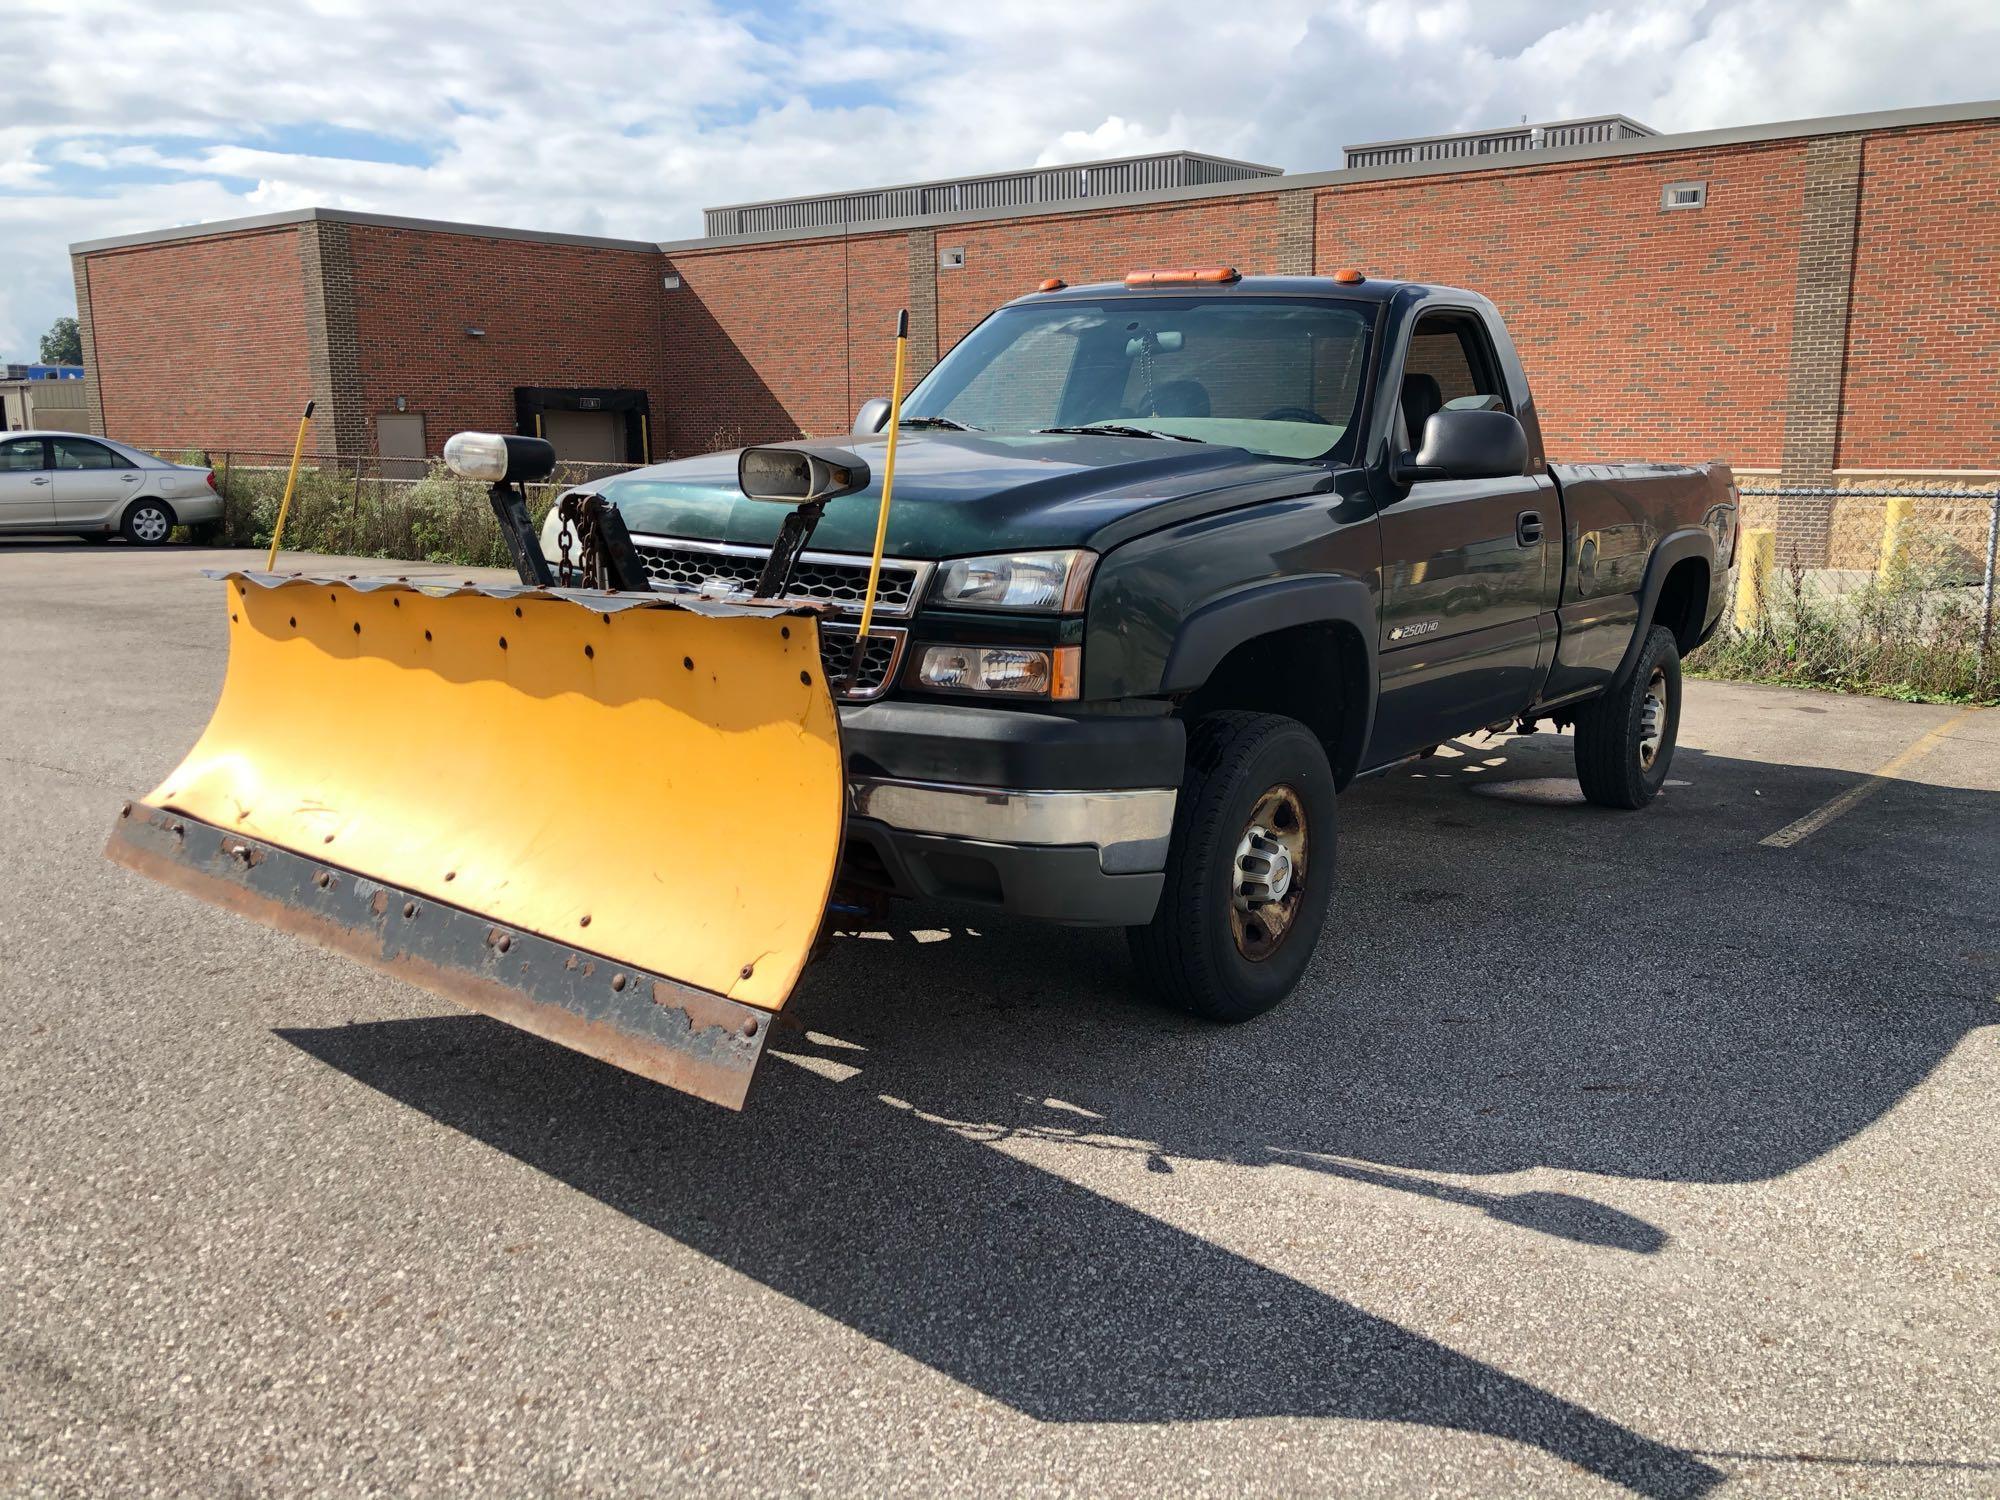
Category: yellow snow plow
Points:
column 605, row 815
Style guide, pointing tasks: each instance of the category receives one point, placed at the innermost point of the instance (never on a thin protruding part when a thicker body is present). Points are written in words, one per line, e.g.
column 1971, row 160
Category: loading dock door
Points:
column 399, row 440
column 586, row 437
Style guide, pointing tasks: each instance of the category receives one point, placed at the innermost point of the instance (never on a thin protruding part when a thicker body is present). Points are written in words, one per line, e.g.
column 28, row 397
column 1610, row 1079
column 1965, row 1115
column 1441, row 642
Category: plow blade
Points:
column 611, row 820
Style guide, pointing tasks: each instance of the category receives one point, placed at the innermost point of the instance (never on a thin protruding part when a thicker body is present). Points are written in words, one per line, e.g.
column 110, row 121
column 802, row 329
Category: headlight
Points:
column 1019, row 671
column 1049, row 582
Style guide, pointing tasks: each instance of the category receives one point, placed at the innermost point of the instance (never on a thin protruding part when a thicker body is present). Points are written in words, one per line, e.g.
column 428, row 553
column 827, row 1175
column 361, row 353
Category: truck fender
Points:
column 1223, row 623
column 1691, row 541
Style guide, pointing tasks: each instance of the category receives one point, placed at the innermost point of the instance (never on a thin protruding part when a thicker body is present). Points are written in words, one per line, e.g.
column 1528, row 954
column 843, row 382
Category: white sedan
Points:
column 91, row 486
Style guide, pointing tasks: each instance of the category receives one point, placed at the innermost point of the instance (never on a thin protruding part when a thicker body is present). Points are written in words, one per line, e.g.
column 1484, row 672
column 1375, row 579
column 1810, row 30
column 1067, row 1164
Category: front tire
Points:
column 147, row 523
column 1625, row 740
column 1250, row 869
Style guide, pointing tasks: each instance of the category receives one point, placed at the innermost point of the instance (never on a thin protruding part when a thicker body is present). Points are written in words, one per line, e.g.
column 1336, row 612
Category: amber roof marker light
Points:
column 1191, row 276
column 1053, row 284
column 1348, row 276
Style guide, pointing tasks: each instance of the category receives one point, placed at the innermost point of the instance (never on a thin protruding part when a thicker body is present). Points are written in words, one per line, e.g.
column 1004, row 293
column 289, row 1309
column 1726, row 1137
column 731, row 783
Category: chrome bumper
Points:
column 1129, row 829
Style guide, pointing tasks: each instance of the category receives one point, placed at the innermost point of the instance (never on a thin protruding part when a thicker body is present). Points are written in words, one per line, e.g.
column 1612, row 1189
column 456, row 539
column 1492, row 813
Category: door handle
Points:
column 128, row 478
column 1528, row 528
column 39, row 479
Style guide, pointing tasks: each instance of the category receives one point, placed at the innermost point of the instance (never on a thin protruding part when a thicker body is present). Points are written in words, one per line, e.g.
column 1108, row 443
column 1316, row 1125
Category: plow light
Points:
column 499, row 458
column 797, row 473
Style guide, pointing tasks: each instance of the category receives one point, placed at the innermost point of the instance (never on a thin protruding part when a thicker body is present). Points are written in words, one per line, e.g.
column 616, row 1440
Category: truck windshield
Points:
column 1275, row 375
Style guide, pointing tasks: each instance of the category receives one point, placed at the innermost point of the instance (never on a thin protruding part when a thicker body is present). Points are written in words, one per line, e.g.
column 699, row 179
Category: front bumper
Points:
column 1060, row 816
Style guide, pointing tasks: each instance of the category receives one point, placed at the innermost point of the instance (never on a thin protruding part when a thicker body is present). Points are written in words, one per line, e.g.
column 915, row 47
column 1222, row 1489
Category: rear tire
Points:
column 1250, row 869
column 147, row 523
column 1625, row 740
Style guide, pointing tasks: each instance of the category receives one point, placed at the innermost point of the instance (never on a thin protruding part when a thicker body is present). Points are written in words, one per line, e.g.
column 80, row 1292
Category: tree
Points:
column 63, row 343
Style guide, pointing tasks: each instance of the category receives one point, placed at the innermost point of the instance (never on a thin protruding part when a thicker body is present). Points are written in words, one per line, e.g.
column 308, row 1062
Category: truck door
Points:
column 1468, row 566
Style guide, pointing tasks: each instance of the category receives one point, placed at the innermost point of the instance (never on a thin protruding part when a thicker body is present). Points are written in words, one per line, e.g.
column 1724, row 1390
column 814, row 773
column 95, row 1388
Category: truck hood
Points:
column 962, row 492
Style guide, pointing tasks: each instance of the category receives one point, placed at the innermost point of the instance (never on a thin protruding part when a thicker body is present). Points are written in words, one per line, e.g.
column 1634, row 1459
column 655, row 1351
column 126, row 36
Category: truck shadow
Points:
column 1524, row 984
column 1063, row 1304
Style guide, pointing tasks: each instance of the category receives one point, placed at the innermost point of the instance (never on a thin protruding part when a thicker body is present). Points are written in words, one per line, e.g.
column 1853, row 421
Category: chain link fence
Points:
column 1880, row 585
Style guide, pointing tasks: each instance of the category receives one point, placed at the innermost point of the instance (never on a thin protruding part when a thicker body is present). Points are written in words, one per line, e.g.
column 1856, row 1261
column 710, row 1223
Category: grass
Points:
column 438, row 518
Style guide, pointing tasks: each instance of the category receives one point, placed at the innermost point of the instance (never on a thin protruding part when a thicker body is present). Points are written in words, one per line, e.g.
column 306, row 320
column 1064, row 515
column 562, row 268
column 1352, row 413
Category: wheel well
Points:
column 1683, row 600
column 173, row 516
column 1313, row 673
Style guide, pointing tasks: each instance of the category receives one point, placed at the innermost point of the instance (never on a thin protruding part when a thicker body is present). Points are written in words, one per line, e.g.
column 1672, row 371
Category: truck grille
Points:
column 879, row 660
column 677, row 565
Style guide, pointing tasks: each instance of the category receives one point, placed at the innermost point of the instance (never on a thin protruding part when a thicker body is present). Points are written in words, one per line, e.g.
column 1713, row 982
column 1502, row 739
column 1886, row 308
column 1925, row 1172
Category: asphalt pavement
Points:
column 1600, row 1153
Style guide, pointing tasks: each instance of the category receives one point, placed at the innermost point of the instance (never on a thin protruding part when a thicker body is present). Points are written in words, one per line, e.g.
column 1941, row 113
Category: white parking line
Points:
column 1847, row 801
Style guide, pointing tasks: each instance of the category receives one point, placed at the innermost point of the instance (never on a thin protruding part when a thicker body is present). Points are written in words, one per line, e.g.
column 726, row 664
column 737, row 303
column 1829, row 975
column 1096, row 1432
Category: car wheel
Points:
column 147, row 523
column 1250, row 869
column 1625, row 740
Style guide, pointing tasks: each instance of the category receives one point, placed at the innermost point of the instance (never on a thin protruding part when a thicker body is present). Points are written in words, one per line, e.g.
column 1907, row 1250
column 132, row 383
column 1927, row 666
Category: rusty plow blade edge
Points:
column 607, row 820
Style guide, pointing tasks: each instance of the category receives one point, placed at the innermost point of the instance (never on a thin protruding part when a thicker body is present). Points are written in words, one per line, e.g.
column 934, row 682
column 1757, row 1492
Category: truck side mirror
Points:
column 1465, row 445
column 874, row 414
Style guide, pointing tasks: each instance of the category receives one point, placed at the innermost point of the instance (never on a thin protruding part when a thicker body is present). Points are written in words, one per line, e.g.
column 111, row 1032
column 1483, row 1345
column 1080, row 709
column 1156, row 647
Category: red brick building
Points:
column 1807, row 298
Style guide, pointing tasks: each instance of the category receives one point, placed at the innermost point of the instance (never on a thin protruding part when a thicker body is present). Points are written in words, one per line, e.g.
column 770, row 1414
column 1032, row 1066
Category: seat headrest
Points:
column 1423, row 399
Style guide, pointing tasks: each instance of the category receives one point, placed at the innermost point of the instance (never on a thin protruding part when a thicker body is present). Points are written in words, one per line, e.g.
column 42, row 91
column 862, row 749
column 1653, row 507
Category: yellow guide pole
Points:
column 888, row 478
column 291, row 481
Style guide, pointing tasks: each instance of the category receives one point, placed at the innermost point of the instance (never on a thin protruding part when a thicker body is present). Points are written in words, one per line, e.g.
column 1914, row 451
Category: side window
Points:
column 82, row 453
column 1450, row 363
column 22, row 456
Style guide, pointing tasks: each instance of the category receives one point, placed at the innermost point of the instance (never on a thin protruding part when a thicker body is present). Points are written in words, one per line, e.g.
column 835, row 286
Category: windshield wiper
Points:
column 948, row 424
column 1119, row 429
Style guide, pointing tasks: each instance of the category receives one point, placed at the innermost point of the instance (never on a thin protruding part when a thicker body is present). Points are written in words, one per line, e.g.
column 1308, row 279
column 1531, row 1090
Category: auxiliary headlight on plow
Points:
column 364, row 781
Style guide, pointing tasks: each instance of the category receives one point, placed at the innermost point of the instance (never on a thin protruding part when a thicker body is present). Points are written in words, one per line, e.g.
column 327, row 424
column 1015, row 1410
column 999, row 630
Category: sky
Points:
column 627, row 117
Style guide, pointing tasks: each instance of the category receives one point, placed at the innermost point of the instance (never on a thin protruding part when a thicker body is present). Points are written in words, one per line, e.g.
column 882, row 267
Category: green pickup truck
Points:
column 1172, row 561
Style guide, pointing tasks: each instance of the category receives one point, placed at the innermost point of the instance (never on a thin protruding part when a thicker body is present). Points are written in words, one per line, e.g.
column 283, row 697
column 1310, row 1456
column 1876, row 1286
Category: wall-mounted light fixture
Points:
column 952, row 259
column 671, row 281
column 402, row 403
column 475, row 333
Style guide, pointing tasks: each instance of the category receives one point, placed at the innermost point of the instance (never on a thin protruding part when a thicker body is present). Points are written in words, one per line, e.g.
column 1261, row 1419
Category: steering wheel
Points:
column 1294, row 414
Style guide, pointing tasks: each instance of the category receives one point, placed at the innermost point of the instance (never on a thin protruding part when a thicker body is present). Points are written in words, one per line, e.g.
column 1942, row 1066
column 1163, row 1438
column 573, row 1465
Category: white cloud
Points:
column 626, row 117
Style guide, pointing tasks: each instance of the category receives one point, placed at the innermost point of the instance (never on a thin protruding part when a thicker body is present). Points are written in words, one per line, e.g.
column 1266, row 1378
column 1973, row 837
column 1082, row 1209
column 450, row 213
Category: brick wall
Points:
column 1733, row 331
column 1646, row 333
column 199, row 342
column 553, row 315
column 1008, row 259
column 760, row 337
column 1923, row 337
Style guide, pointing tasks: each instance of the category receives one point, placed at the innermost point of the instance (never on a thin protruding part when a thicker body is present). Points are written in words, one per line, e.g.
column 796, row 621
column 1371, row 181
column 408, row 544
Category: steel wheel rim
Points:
column 1268, row 874
column 1653, row 719
column 149, row 523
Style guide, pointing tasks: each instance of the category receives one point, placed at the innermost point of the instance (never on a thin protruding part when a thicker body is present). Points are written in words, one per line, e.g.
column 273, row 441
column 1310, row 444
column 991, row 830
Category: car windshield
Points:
column 1275, row 375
